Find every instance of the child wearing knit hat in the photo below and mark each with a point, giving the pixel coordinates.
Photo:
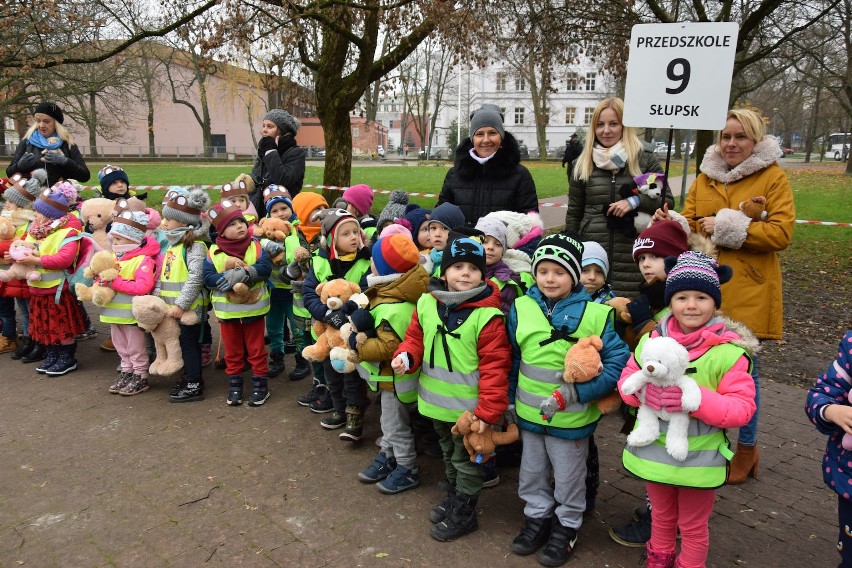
(595, 271)
(344, 255)
(136, 258)
(444, 218)
(358, 199)
(181, 283)
(496, 269)
(542, 325)
(463, 366)
(237, 192)
(682, 492)
(418, 218)
(395, 208)
(396, 283)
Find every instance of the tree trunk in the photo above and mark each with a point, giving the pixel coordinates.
(338, 148)
(812, 130)
(205, 119)
(93, 125)
(703, 140)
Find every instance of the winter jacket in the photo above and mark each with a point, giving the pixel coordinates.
(585, 217)
(732, 404)
(832, 387)
(500, 184)
(565, 317)
(144, 277)
(750, 248)
(492, 347)
(75, 168)
(285, 168)
(339, 268)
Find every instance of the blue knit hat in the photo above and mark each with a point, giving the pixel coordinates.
(696, 271)
(110, 174)
(51, 204)
(416, 215)
(274, 194)
(448, 215)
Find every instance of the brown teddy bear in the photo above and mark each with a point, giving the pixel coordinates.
(275, 230)
(103, 269)
(97, 212)
(754, 208)
(481, 446)
(333, 294)
(582, 364)
(241, 292)
(620, 305)
(151, 313)
(17, 250)
(7, 229)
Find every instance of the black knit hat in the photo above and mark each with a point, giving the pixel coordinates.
(464, 245)
(50, 109)
(564, 249)
(696, 271)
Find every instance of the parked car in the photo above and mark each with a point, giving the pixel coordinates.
(321, 153)
(660, 149)
(380, 150)
(525, 152)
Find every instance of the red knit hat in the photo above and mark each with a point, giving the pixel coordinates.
(223, 213)
(395, 254)
(664, 238)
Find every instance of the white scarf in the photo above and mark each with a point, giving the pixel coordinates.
(478, 159)
(610, 159)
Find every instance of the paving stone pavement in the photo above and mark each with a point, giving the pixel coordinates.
(93, 479)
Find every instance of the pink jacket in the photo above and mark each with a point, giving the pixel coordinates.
(144, 278)
(732, 404)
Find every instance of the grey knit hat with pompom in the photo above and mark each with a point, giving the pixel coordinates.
(395, 208)
(24, 192)
(187, 209)
(283, 120)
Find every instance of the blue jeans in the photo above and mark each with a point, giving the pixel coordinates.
(748, 433)
(23, 305)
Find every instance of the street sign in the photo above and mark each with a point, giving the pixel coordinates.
(679, 75)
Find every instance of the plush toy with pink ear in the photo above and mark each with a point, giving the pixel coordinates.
(18, 250)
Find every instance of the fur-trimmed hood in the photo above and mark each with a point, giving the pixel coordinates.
(505, 160)
(745, 337)
(765, 153)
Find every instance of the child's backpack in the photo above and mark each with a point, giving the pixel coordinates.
(74, 274)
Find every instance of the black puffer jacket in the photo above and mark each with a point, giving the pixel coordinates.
(76, 167)
(585, 217)
(501, 184)
(285, 167)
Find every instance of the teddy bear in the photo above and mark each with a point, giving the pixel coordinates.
(481, 446)
(582, 364)
(333, 294)
(17, 250)
(619, 303)
(663, 364)
(652, 185)
(7, 229)
(97, 213)
(241, 293)
(151, 313)
(275, 230)
(103, 269)
(354, 333)
(754, 208)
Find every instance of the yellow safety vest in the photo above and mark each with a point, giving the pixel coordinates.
(174, 275)
(398, 315)
(48, 246)
(120, 310)
(226, 310)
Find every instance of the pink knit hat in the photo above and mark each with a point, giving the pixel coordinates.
(395, 229)
(361, 196)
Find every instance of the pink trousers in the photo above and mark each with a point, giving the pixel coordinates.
(129, 342)
(688, 510)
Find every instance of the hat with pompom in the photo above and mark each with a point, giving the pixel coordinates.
(395, 208)
(395, 254)
(696, 271)
(51, 204)
(110, 174)
(187, 208)
(21, 189)
(130, 225)
(275, 194)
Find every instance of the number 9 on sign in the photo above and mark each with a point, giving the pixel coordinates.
(678, 70)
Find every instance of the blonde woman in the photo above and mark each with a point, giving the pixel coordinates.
(48, 144)
(610, 158)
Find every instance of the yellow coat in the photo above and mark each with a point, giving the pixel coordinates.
(753, 295)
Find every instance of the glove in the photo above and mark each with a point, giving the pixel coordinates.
(666, 398)
(336, 319)
(640, 311)
(273, 248)
(27, 163)
(266, 144)
(251, 275)
(55, 158)
(293, 270)
(656, 294)
(230, 278)
(510, 416)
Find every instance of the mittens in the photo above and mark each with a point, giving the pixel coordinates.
(266, 144)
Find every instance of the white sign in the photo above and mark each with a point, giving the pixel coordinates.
(679, 75)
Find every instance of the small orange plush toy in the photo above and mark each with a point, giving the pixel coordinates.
(481, 446)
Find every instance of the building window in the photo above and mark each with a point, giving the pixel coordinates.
(591, 77)
(587, 115)
(571, 84)
(570, 115)
(520, 84)
(501, 81)
(519, 115)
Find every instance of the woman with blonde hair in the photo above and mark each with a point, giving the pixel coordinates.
(48, 144)
(611, 158)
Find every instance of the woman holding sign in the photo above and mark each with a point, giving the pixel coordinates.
(741, 172)
(596, 210)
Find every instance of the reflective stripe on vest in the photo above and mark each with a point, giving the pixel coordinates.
(543, 362)
(275, 277)
(706, 463)
(224, 309)
(449, 377)
(120, 309)
(291, 243)
(398, 316)
(174, 275)
(48, 246)
(323, 273)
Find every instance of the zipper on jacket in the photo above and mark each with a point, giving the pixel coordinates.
(611, 251)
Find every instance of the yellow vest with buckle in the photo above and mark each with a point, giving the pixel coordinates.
(120, 309)
(226, 310)
(398, 316)
(543, 362)
(48, 246)
(174, 275)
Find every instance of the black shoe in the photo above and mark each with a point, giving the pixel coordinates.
(276, 365)
(302, 370)
(333, 421)
(314, 395)
(534, 533)
(323, 404)
(259, 391)
(354, 424)
(219, 363)
(439, 512)
(459, 521)
(289, 346)
(51, 356)
(178, 386)
(189, 391)
(25, 344)
(635, 534)
(34, 354)
(235, 391)
(559, 546)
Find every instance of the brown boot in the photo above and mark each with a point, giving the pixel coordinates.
(744, 464)
(106, 345)
(7, 344)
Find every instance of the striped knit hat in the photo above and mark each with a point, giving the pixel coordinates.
(395, 254)
(696, 271)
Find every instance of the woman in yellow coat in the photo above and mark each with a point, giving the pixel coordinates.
(743, 165)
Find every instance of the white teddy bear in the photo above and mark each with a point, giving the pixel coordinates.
(664, 362)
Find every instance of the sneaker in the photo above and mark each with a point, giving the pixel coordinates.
(459, 520)
(489, 473)
(533, 535)
(206, 355)
(559, 546)
(323, 404)
(401, 479)
(333, 421)
(313, 396)
(107, 345)
(137, 385)
(635, 534)
(354, 424)
(381, 467)
(88, 334)
(120, 382)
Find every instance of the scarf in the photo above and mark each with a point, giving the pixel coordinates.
(175, 236)
(234, 248)
(38, 140)
(610, 159)
(39, 231)
(310, 231)
(476, 157)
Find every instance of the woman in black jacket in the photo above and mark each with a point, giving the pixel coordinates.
(279, 159)
(47, 144)
(488, 175)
